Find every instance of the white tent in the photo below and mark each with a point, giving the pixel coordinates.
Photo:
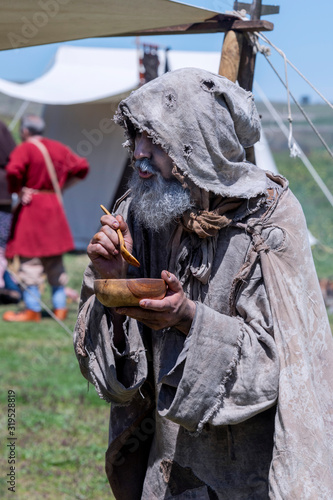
(79, 75)
(84, 74)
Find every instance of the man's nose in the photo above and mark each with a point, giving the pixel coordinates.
(142, 147)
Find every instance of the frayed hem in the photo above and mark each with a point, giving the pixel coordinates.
(92, 359)
(220, 398)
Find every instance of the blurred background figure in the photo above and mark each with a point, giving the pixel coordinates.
(39, 169)
(9, 290)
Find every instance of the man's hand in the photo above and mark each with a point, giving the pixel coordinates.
(103, 249)
(26, 195)
(174, 310)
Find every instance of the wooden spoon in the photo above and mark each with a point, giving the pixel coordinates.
(123, 250)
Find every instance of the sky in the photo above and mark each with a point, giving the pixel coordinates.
(301, 30)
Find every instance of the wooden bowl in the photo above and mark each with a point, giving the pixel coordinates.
(128, 292)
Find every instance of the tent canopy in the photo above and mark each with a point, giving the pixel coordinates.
(25, 23)
(78, 75)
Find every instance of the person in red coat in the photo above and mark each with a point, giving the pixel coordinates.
(40, 232)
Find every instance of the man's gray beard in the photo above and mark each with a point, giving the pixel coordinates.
(157, 202)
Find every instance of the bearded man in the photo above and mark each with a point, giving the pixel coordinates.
(221, 389)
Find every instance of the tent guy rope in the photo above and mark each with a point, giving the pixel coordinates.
(302, 155)
(291, 142)
(263, 37)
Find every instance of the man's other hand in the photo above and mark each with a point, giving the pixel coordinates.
(174, 310)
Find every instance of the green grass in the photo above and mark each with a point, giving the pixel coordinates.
(317, 209)
(61, 427)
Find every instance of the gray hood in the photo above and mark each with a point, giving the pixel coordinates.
(204, 122)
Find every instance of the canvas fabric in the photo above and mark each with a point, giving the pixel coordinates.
(260, 338)
(204, 122)
(242, 407)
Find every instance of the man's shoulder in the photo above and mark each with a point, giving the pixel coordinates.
(53, 144)
(50, 144)
(20, 149)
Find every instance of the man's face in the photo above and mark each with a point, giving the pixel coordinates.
(158, 158)
(158, 198)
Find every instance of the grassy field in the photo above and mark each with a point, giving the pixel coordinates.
(61, 426)
(317, 209)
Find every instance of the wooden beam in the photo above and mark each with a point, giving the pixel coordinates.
(217, 24)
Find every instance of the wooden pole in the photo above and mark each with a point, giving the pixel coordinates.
(238, 56)
(232, 63)
(231, 55)
(248, 56)
(247, 65)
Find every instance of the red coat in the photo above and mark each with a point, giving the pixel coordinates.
(41, 229)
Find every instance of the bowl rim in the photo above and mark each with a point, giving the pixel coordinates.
(129, 279)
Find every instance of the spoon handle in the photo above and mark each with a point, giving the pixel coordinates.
(123, 250)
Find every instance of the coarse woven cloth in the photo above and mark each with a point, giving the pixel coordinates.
(203, 121)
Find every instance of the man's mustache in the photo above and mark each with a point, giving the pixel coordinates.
(145, 166)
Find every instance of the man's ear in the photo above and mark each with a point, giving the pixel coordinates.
(24, 134)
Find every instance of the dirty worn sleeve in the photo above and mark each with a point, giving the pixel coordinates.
(228, 370)
(117, 376)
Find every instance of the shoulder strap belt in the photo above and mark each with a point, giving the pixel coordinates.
(49, 166)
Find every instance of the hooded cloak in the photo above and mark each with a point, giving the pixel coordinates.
(244, 404)
(203, 126)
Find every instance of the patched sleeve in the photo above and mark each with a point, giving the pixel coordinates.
(229, 368)
(117, 376)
